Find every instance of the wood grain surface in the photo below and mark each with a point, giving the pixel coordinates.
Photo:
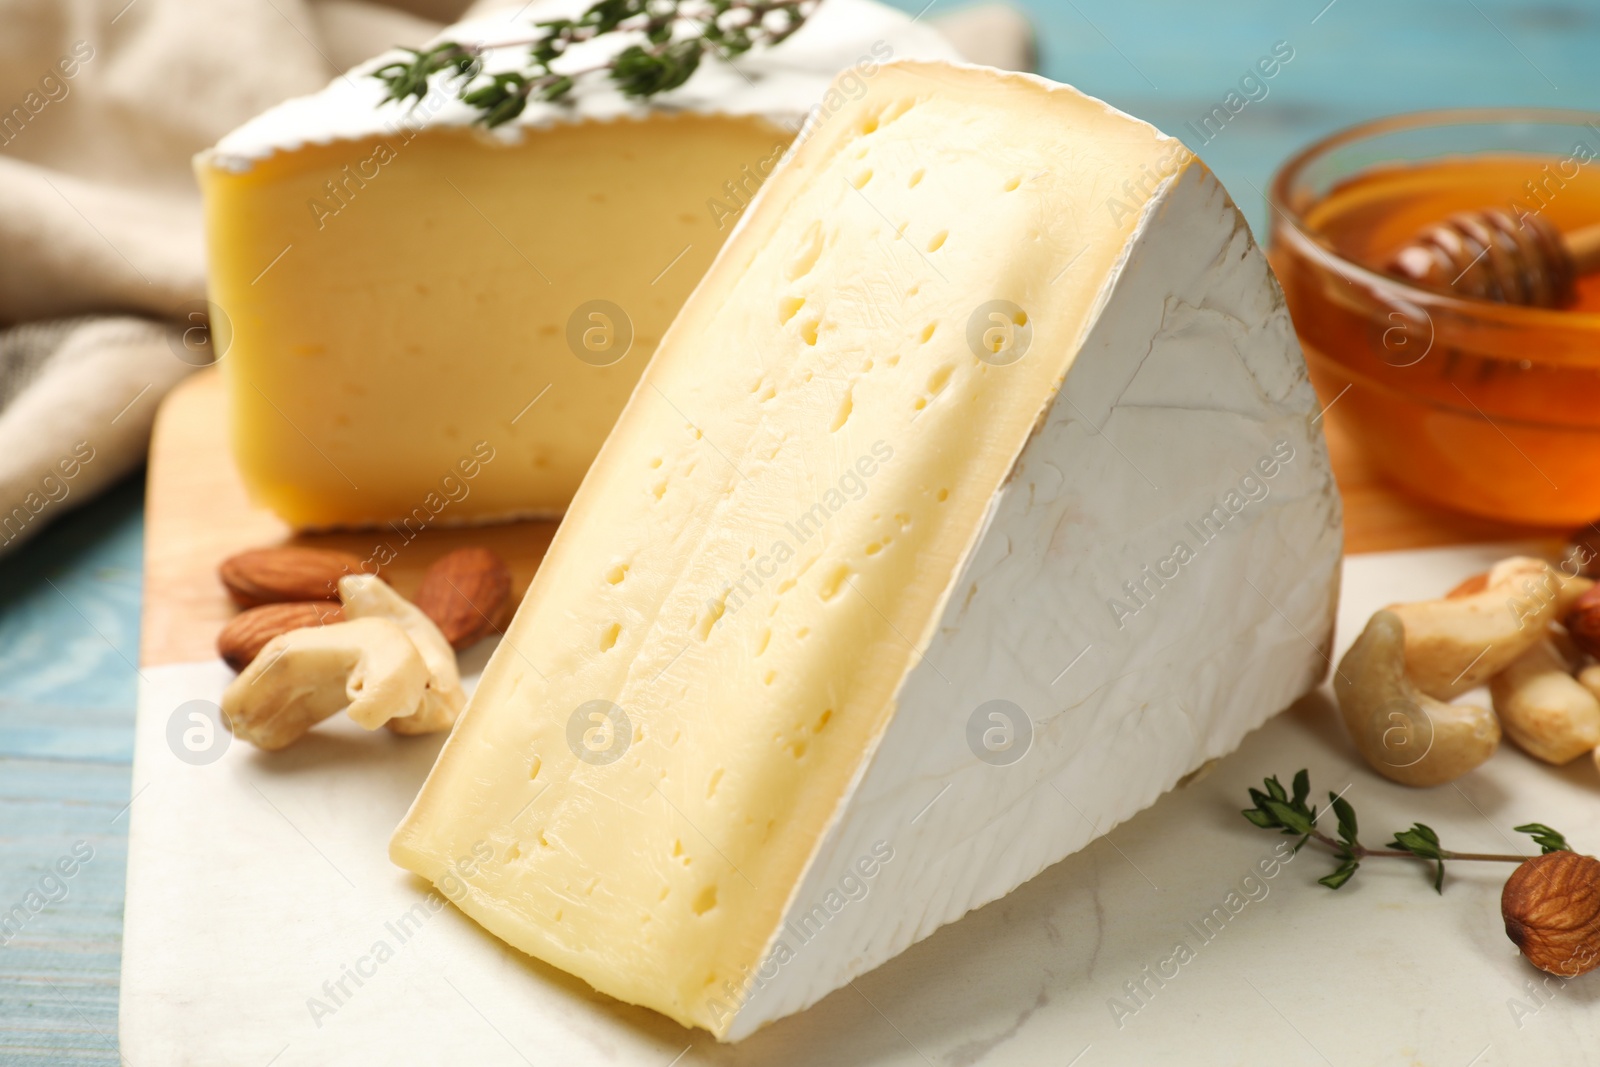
(197, 514)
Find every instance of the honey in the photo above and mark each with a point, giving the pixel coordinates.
(1368, 218)
(1486, 408)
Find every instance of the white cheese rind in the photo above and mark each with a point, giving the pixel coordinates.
(782, 84)
(1188, 376)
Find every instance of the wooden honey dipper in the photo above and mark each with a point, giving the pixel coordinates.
(1489, 255)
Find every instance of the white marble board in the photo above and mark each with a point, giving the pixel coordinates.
(257, 881)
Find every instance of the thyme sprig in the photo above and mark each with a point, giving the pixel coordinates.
(1278, 809)
(675, 36)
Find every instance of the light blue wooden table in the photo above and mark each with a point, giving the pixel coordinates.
(69, 603)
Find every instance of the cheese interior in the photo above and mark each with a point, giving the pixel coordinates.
(759, 553)
(388, 304)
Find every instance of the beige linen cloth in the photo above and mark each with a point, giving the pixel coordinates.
(102, 278)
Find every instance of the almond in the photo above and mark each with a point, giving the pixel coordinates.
(466, 594)
(1551, 907)
(286, 573)
(248, 632)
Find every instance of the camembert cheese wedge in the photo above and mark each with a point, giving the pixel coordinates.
(974, 498)
(422, 323)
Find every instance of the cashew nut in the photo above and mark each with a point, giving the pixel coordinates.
(1536, 579)
(1458, 643)
(1406, 735)
(366, 596)
(1543, 708)
(368, 667)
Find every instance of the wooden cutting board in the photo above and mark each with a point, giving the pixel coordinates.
(197, 514)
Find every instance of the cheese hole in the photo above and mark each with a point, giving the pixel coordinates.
(608, 636)
(833, 582)
(869, 124)
(928, 330)
(615, 575)
(862, 177)
(937, 241)
(544, 842)
(558, 915)
(1011, 184)
(769, 677)
(654, 463)
(764, 640)
(788, 306)
(841, 417)
(915, 179)
(808, 331)
(806, 252)
(920, 403)
(659, 490)
(705, 900)
(514, 851)
(768, 393)
(822, 721)
(803, 633)
(940, 378)
(533, 767)
(785, 585)
(665, 890)
(874, 548)
(903, 518)
(711, 786)
(798, 750)
(709, 619)
(944, 494)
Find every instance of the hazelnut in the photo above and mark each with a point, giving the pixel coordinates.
(1583, 552)
(1551, 907)
(1583, 622)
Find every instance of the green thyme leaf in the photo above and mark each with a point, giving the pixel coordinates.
(1547, 839)
(1340, 876)
(1289, 817)
(1260, 818)
(675, 36)
(1421, 841)
(1347, 818)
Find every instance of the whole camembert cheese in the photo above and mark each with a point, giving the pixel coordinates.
(974, 498)
(426, 323)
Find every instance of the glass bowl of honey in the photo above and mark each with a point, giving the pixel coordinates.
(1484, 407)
